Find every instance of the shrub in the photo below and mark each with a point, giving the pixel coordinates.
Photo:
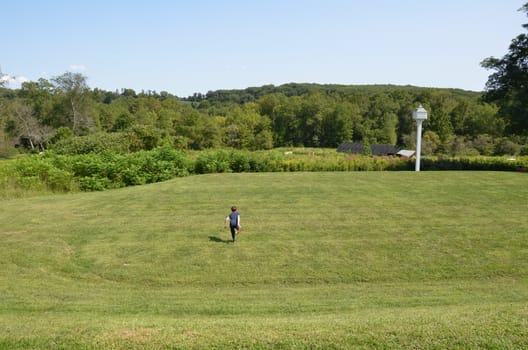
(96, 172)
(507, 147)
(94, 183)
(473, 163)
(239, 161)
(212, 162)
(176, 160)
(89, 172)
(114, 170)
(94, 143)
(484, 144)
(38, 173)
(144, 138)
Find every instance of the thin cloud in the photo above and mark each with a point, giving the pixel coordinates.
(11, 80)
(77, 68)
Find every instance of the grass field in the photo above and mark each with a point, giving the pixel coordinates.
(358, 260)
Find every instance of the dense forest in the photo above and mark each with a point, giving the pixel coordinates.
(64, 114)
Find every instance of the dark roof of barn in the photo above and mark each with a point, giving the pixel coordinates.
(376, 150)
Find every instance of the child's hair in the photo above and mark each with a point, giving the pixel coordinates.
(233, 208)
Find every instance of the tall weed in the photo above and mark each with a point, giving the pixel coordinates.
(100, 171)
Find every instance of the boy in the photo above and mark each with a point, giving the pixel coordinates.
(234, 222)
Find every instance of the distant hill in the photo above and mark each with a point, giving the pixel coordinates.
(251, 94)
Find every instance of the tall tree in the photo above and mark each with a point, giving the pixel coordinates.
(39, 96)
(508, 86)
(441, 105)
(74, 88)
(338, 123)
(313, 108)
(28, 127)
(387, 134)
(246, 128)
(381, 120)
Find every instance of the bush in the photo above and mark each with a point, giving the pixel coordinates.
(144, 138)
(507, 147)
(94, 183)
(484, 144)
(94, 143)
(474, 163)
(114, 170)
(239, 162)
(212, 162)
(90, 172)
(96, 172)
(38, 173)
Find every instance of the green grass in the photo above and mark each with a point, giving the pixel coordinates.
(378, 260)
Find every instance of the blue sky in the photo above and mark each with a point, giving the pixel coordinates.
(191, 46)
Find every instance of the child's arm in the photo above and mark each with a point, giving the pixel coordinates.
(226, 221)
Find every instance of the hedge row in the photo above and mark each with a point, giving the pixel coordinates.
(91, 172)
(475, 163)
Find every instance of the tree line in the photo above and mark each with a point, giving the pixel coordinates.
(63, 110)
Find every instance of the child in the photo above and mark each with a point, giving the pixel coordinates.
(234, 222)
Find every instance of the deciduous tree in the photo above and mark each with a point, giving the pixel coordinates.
(508, 86)
(28, 127)
(75, 90)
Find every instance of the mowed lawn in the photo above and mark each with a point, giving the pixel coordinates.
(358, 260)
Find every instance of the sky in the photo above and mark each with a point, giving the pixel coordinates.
(189, 46)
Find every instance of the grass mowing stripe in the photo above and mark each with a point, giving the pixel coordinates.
(325, 260)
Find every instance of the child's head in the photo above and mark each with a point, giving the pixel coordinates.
(233, 208)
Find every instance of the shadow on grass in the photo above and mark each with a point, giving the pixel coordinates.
(219, 240)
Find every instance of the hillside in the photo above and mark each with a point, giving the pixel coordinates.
(325, 260)
(298, 89)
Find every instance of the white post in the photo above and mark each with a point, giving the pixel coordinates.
(418, 143)
(419, 114)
